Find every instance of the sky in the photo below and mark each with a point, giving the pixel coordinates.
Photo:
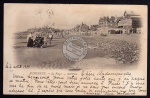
(20, 17)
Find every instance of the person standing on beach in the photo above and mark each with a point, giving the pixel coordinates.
(30, 40)
(29, 36)
(50, 38)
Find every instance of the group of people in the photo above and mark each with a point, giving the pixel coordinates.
(38, 40)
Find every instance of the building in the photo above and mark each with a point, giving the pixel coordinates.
(126, 24)
(105, 27)
(130, 23)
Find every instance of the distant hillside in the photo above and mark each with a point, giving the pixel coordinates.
(56, 32)
(44, 29)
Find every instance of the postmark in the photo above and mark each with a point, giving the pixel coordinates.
(75, 48)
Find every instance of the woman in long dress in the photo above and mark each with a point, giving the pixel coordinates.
(30, 42)
(28, 36)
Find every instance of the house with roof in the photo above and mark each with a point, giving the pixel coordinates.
(126, 24)
(131, 22)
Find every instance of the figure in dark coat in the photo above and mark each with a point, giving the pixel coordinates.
(30, 42)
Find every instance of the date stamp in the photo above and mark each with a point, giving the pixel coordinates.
(75, 48)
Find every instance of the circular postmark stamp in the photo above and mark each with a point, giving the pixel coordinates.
(75, 48)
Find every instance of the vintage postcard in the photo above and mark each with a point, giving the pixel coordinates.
(75, 49)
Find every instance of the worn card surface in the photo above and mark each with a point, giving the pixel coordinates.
(75, 49)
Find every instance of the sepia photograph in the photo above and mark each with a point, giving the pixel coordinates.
(76, 38)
